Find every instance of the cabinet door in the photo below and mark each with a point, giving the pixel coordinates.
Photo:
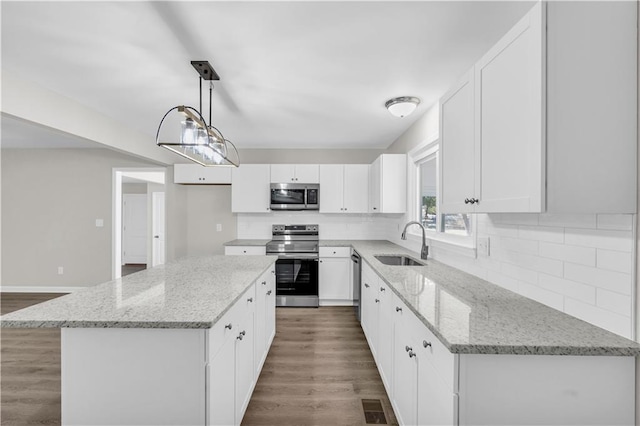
(369, 306)
(374, 186)
(393, 183)
(436, 403)
(195, 173)
(260, 325)
(457, 148)
(245, 373)
(307, 173)
(334, 275)
(509, 125)
(405, 376)
(385, 335)
(221, 384)
(250, 191)
(270, 311)
(331, 188)
(356, 188)
(283, 173)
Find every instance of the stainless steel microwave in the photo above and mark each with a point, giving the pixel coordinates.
(295, 196)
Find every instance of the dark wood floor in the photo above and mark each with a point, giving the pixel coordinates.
(317, 372)
(131, 268)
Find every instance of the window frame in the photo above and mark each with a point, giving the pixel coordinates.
(426, 151)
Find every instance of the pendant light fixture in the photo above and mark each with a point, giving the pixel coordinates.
(198, 141)
(402, 106)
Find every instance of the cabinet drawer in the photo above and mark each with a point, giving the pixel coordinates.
(225, 328)
(245, 250)
(335, 251)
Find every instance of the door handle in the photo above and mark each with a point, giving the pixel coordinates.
(156, 236)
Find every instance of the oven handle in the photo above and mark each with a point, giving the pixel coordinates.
(296, 255)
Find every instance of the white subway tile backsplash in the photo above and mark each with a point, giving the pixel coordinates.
(610, 280)
(504, 281)
(616, 323)
(519, 273)
(538, 264)
(615, 302)
(614, 260)
(549, 298)
(501, 230)
(622, 222)
(599, 238)
(575, 290)
(515, 218)
(515, 244)
(568, 220)
(574, 254)
(541, 233)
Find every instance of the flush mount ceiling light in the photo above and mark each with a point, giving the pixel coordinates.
(402, 106)
(198, 141)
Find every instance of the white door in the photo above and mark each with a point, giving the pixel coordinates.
(157, 228)
(134, 228)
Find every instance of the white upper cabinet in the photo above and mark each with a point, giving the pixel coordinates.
(250, 189)
(388, 183)
(344, 188)
(297, 173)
(197, 174)
(457, 147)
(555, 116)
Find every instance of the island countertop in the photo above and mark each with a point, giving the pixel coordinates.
(193, 292)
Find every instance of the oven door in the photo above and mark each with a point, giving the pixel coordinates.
(296, 281)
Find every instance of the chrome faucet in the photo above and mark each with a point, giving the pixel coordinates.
(425, 249)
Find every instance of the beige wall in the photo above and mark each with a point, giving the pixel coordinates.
(51, 199)
(134, 188)
(309, 156)
(209, 205)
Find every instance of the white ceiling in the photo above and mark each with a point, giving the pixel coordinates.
(293, 74)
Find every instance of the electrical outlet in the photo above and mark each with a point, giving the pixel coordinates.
(483, 246)
(60, 270)
(99, 223)
(219, 227)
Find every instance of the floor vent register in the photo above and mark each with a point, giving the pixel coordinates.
(373, 412)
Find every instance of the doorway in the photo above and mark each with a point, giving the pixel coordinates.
(138, 219)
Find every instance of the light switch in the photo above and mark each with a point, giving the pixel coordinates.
(219, 227)
(60, 270)
(483, 246)
(99, 223)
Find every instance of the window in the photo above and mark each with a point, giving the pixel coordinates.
(458, 226)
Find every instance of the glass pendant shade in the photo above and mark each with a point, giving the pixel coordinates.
(198, 142)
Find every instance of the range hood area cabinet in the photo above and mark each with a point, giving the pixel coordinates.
(387, 183)
(196, 174)
(344, 188)
(250, 189)
(547, 119)
(297, 173)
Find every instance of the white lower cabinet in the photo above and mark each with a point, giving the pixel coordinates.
(428, 385)
(245, 250)
(238, 346)
(335, 285)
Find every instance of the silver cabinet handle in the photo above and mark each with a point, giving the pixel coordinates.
(408, 348)
(382, 289)
(398, 309)
(377, 300)
(426, 344)
(269, 293)
(250, 299)
(264, 283)
(229, 326)
(411, 354)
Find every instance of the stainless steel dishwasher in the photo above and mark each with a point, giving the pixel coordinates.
(357, 272)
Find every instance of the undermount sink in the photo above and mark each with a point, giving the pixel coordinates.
(398, 260)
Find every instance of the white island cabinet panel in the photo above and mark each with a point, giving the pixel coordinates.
(121, 376)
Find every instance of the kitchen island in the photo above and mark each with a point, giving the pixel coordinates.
(181, 343)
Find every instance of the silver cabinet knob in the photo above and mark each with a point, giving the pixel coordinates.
(366, 285)
(382, 289)
(250, 299)
(377, 300)
(242, 333)
(229, 326)
(426, 344)
(408, 348)
(264, 283)
(269, 293)
(398, 309)
(411, 354)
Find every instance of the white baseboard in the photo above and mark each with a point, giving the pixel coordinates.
(37, 289)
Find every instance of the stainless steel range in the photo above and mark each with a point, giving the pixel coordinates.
(297, 264)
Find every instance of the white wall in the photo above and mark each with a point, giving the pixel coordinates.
(208, 206)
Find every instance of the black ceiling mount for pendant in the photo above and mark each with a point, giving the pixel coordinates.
(205, 70)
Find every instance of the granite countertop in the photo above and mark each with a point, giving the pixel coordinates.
(190, 293)
(472, 316)
(246, 243)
